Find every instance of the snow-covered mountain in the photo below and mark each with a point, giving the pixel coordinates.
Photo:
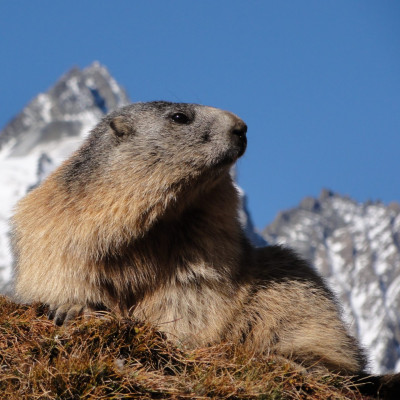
(47, 131)
(356, 247)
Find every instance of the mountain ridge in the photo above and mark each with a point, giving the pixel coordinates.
(356, 247)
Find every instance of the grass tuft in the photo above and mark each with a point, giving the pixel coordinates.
(111, 358)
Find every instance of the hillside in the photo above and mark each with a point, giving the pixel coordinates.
(112, 358)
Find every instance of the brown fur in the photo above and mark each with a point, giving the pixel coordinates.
(143, 218)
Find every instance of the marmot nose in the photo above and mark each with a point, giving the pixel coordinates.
(239, 129)
(238, 132)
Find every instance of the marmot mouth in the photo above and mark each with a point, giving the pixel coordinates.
(232, 155)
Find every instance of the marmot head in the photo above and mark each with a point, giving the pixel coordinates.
(168, 141)
(190, 135)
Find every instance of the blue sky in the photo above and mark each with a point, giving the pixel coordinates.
(318, 82)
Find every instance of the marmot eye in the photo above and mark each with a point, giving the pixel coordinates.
(180, 118)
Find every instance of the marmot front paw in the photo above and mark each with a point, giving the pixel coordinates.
(66, 312)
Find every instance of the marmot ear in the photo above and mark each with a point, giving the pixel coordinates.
(121, 126)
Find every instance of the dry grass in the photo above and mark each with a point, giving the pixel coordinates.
(109, 358)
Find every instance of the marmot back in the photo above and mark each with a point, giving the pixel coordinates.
(142, 219)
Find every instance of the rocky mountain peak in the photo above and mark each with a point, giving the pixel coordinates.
(76, 102)
(356, 247)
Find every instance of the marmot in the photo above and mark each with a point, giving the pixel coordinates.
(142, 220)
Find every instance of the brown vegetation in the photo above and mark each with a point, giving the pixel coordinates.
(110, 358)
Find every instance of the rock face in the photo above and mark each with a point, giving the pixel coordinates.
(356, 247)
(74, 103)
